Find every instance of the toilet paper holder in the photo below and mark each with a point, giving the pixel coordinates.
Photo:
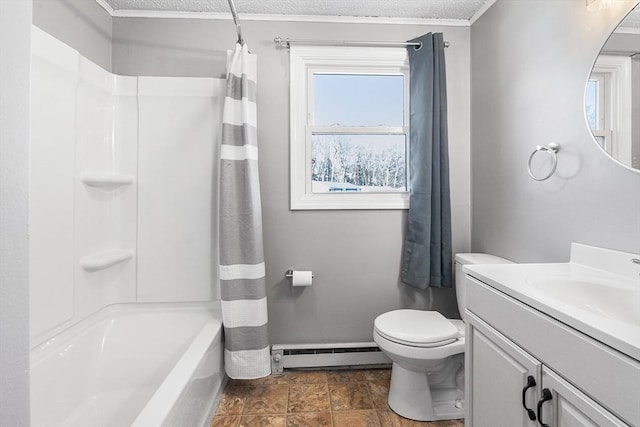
(289, 274)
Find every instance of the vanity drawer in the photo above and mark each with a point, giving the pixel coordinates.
(606, 375)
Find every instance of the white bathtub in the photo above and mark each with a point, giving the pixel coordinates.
(143, 365)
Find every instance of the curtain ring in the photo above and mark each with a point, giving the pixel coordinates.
(551, 148)
(418, 47)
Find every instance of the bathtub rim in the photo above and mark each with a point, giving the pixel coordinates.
(155, 411)
(52, 340)
(210, 329)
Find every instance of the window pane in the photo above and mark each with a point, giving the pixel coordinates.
(591, 104)
(358, 100)
(358, 163)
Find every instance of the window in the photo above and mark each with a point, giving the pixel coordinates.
(349, 128)
(598, 108)
(608, 105)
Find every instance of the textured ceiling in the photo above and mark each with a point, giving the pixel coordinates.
(425, 9)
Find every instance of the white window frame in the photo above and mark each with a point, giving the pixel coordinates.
(304, 62)
(603, 110)
(614, 74)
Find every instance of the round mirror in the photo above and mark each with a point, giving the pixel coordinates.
(612, 98)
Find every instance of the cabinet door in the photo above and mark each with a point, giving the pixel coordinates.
(569, 407)
(497, 373)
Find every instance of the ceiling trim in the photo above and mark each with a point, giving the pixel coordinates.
(285, 18)
(122, 13)
(481, 11)
(106, 6)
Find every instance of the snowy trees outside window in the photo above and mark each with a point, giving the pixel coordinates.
(372, 163)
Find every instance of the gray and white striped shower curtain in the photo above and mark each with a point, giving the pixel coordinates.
(242, 270)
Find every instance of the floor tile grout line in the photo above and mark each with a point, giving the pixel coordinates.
(373, 406)
(288, 395)
(330, 405)
(375, 411)
(244, 402)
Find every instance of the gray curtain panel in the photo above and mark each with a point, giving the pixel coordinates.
(427, 258)
(242, 269)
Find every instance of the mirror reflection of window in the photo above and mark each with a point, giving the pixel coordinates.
(598, 107)
(591, 103)
(612, 94)
(608, 105)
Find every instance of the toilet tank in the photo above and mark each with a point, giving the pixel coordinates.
(468, 259)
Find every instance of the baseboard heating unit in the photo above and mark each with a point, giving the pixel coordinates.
(301, 356)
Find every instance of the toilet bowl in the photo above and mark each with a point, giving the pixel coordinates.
(427, 351)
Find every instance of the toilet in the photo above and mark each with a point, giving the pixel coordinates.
(427, 351)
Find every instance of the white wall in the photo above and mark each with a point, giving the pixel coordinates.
(180, 124)
(355, 255)
(15, 27)
(90, 127)
(530, 62)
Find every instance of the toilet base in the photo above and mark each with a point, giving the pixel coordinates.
(411, 396)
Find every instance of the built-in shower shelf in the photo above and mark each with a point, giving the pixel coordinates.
(106, 182)
(105, 259)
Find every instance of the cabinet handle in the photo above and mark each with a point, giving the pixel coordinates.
(531, 382)
(546, 395)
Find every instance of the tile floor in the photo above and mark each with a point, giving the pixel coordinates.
(339, 398)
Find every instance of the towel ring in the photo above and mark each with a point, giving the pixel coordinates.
(551, 148)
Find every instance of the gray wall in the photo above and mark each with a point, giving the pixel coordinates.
(15, 37)
(355, 254)
(530, 60)
(82, 24)
(171, 47)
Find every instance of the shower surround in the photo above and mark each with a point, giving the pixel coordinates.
(123, 194)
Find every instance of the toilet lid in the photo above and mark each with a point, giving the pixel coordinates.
(416, 327)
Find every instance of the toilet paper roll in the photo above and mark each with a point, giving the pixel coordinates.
(302, 278)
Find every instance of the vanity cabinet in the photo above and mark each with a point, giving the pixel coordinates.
(497, 370)
(569, 407)
(524, 368)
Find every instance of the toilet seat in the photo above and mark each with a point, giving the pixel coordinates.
(416, 328)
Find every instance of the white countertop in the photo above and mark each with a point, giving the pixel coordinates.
(515, 280)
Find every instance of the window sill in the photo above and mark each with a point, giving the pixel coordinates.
(359, 201)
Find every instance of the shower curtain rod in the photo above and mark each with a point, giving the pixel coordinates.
(236, 21)
(283, 42)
